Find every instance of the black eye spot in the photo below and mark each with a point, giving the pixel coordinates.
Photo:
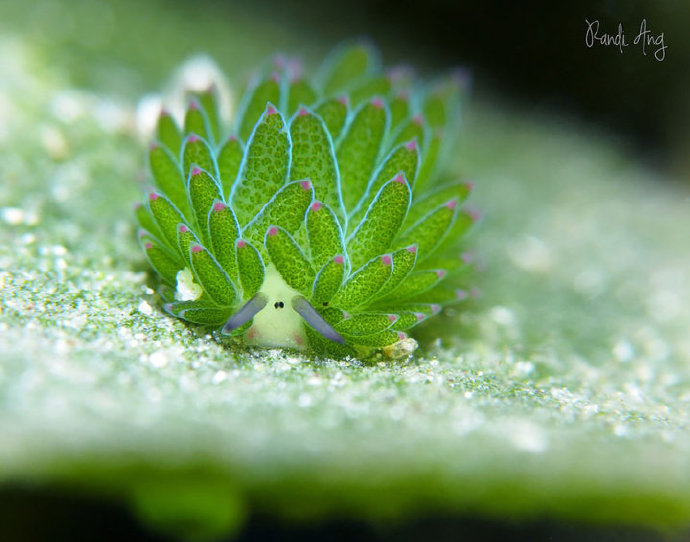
(279, 304)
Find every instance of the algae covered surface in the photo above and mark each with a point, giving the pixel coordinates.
(562, 391)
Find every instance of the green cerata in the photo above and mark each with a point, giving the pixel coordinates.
(319, 218)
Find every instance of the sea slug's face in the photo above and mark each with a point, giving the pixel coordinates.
(277, 324)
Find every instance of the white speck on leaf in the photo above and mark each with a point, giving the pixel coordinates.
(145, 308)
(187, 289)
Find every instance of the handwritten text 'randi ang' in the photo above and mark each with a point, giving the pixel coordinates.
(644, 39)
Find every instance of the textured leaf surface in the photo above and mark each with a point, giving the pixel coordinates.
(300, 93)
(165, 264)
(223, 232)
(229, 160)
(265, 92)
(414, 284)
(328, 280)
(168, 176)
(379, 85)
(404, 260)
(146, 221)
(168, 133)
(402, 159)
(211, 276)
(289, 260)
(286, 210)
(400, 108)
(206, 315)
(208, 99)
(360, 147)
(433, 199)
(381, 223)
(430, 161)
(324, 234)
(185, 239)
(265, 166)
(377, 340)
(195, 121)
(250, 267)
(410, 129)
(430, 230)
(363, 284)
(313, 158)
(561, 394)
(333, 111)
(346, 65)
(166, 216)
(197, 151)
(365, 323)
(203, 191)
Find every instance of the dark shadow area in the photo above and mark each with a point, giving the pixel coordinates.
(39, 514)
(536, 54)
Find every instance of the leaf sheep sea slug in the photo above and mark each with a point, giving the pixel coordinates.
(318, 220)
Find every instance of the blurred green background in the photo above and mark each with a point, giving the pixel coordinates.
(555, 405)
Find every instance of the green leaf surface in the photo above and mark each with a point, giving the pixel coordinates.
(409, 319)
(404, 260)
(430, 162)
(313, 158)
(560, 393)
(223, 232)
(166, 172)
(196, 150)
(379, 85)
(203, 192)
(359, 149)
(333, 112)
(328, 280)
(442, 102)
(432, 199)
(324, 234)
(176, 307)
(300, 92)
(289, 260)
(166, 216)
(362, 285)
(185, 239)
(377, 340)
(264, 168)
(250, 268)
(164, 262)
(229, 159)
(365, 323)
(412, 128)
(403, 158)
(168, 133)
(413, 285)
(429, 231)
(195, 121)
(324, 347)
(211, 276)
(146, 220)
(400, 108)
(346, 65)
(286, 209)
(209, 102)
(256, 101)
(206, 315)
(381, 224)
